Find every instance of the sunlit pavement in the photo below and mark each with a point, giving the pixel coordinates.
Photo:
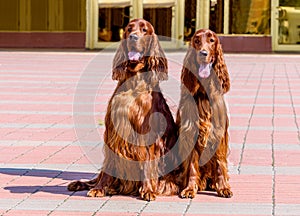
(41, 149)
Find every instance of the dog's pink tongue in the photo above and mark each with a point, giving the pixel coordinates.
(134, 56)
(204, 70)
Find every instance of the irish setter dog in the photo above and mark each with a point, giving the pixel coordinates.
(139, 127)
(202, 118)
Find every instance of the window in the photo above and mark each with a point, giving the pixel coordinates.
(161, 19)
(111, 23)
(250, 17)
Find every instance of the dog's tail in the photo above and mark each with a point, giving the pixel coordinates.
(82, 185)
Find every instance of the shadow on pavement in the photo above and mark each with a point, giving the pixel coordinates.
(45, 187)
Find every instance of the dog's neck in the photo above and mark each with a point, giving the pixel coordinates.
(209, 87)
(141, 80)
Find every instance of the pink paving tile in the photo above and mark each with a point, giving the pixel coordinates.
(84, 119)
(287, 158)
(55, 107)
(266, 85)
(261, 122)
(284, 100)
(245, 188)
(101, 108)
(286, 137)
(264, 100)
(67, 155)
(44, 135)
(11, 118)
(83, 160)
(263, 110)
(283, 92)
(287, 189)
(238, 100)
(256, 157)
(36, 98)
(104, 95)
(284, 121)
(283, 110)
(67, 135)
(12, 152)
(237, 136)
(6, 177)
(234, 156)
(18, 135)
(297, 110)
(259, 136)
(240, 109)
(239, 121)
(239, 88)
(35, 134)
(4, 132)
(68, 121)
(265, 92)
(37, 154)
(295, 92)
(44, 119)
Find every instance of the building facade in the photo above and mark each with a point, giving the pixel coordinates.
(243, 25)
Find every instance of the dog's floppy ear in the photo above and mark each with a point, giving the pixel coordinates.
(157, 61)
(189, 70)
(221, 69)
(120, 60)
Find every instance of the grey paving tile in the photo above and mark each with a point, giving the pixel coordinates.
(123, 206)
(230, 208)
(280, 170)
(6, 203)
(257, 170)
(166, 207)
(287, 209)
(38, 204)
(82, 205)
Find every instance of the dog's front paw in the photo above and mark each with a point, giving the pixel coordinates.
(226, 193)
(148, 196)
(188, 192)
(96, 193)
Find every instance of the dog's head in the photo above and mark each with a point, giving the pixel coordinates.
(204, 57)
(139, 50)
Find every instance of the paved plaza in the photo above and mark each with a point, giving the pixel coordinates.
(52, 107)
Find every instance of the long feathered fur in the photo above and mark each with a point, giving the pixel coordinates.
(202, 109)
(135, 138)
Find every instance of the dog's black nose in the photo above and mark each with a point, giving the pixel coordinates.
(133, 37)
(203, 53)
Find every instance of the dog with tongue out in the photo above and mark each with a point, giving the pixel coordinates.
(202, 110)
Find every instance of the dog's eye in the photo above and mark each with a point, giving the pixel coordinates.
(129, 30)
(197, 41)
(212, 40)
(144, 30)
